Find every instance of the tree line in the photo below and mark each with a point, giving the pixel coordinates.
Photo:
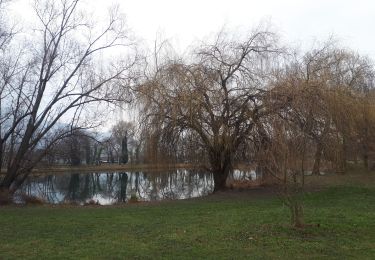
(252, 100)
(51, 77)
(237, 98)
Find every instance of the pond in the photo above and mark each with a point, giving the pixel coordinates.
(106, 188)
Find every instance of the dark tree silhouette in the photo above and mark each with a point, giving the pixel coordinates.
(124, 150)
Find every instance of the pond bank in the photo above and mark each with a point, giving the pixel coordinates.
(109, 168)
(120, 167)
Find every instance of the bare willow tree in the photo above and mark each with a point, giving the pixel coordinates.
(216, 95)
(347, 76)
(49, 84)
(322, 86)
(302, 93)
(365, 124)
(355, 100)
(316, 99)
(285, 158)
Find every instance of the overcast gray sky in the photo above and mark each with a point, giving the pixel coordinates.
(299, 22)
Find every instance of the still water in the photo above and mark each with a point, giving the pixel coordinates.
(117, 187)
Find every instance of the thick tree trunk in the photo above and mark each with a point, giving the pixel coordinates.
(220, 179)
(365, 161)
(343, 156)
(318, 156)
(221, 165)
(297, 219)
(12, 180)
(365, 156)
(5, 196)
(365, 139)
(7, 181)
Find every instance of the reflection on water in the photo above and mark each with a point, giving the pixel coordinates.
(111, 188)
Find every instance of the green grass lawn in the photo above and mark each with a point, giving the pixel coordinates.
(217, 227)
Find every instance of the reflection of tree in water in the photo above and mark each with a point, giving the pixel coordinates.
(86, 191)
(110, 181)
(135, 183)
(154, 187)
(41, 187)
(97, 188)
(73, 193)
(123, 184)
(49, 189)
(112, 187)
(180, 184)
(175, 187)
(79, 191)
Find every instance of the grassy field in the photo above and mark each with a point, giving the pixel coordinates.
(233, 225)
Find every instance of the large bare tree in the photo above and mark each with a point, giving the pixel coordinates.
(216, 94)
(49, 83)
